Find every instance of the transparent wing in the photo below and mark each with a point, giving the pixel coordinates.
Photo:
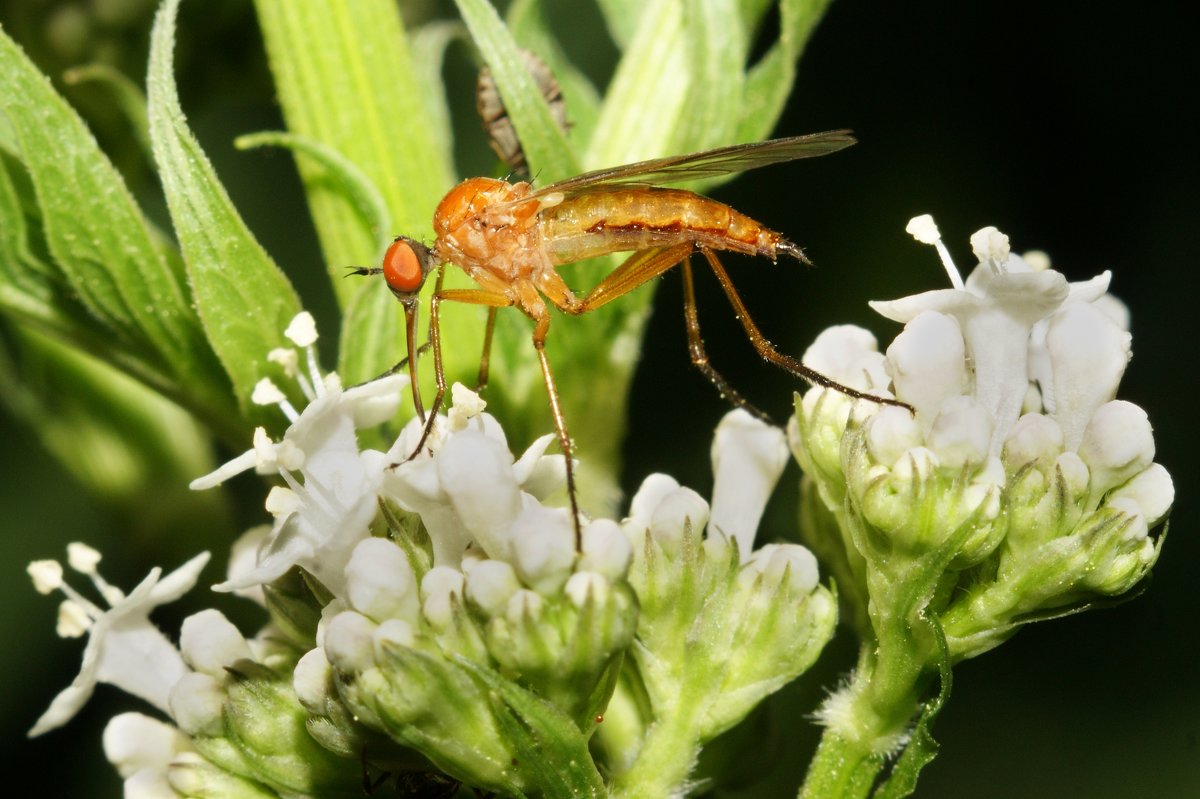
(707, 164)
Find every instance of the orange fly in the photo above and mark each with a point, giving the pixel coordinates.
(510, 238)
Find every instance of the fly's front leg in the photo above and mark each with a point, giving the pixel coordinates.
(481, 383)
(470, 297)
(541, 327)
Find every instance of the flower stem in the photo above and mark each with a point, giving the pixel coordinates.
(841, 769)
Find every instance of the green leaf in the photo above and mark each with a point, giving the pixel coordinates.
(129, 98)
(769, 82)
(132, 448)
(551, 751)
(102, 247)
(429, 43)
(716, 53)
(544, 142)
(645, 98)
(527, 21)
(622, 18)
(354, 185)
(245, 301)
(346, 79)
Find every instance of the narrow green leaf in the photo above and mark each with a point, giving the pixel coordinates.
(346, 78)
(429, 43)
(544, 142)
(99, 240)
(646, 96)
(622, 18)
(716, 52)
(355, 186)
(769, 81)
(129, 98)
(245, 301)
(527, 21)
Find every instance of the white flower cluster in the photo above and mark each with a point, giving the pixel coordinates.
(432, 569)
(1016, 454)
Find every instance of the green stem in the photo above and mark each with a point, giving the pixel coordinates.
(841, 769)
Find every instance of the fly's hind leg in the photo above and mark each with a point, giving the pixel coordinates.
(774, 356)
(698, 354)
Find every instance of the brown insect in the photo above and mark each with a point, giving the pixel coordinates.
(502, 136)
(510, 238)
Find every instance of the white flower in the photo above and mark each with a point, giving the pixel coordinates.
(124, 648)
(332, 487)
(142, 748)
(465, 484)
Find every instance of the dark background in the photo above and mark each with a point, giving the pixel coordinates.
(1062, 124)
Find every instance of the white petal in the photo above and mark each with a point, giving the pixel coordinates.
(476, 472)
(890, 432)
(650, 493)
(210, 642)
(133, 741)
(1117, 444)
(1034, 437)
(348, 642)
(244, 462)
(748, 457)
(543, 547)
(312, 680)
(927, 363)
(1088, 354)
(380, 582)
(1153, 491)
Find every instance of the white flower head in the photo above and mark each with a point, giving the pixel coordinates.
(465, 483)
(333, 486)
(124, 648)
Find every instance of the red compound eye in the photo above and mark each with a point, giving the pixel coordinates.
(402, 268)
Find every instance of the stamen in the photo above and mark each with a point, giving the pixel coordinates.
(73, 620)
(287, 358)
(46, 575)
(923, 229)
(267, 393)
(303, 330)
(84, 559)
(991, 247)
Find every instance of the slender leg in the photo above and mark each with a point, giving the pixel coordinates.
(774, 356)
(696, 348)
(481, 383)
(541, 327)
(470, 297)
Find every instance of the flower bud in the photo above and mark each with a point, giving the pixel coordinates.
(312, 680)
(380, 582)
(441, 591)
(606, 550)
(890, 433)
(197, 704)
(1117, 444)
(1034, 437)
(1152, 490)
(543, 547)
(210, 642)
(680, 509)
(348, 642)
(490, 583)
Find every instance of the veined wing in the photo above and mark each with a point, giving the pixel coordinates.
(707, 164)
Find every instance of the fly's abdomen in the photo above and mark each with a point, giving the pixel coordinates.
(621, 220)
